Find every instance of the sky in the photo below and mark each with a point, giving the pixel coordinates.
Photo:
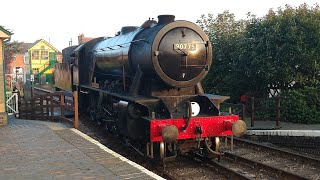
(59, 21)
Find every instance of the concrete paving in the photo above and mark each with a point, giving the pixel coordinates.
(46, 150)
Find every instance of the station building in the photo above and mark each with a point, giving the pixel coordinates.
(36, 59)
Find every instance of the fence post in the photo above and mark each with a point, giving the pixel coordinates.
(243, 112)
(278, 111)
(41, 106)
(62, 105)
(51, 107)
(47, 106)
(76, 110)
(252, 112)
(19, 105)
(32, 108)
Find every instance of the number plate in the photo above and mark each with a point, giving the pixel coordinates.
(185, 46)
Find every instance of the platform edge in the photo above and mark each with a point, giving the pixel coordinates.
(101, 146)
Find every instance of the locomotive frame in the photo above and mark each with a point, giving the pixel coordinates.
(144, 84)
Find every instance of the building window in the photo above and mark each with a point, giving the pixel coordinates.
(18, 70)
(44, 55)
(35, 70)
(35, 54)
(26, 60)
(42, 47)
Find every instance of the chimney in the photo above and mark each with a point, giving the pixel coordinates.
(165, 19)
(80, 39)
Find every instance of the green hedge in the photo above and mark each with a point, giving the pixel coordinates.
(302, 106)
(265, 109)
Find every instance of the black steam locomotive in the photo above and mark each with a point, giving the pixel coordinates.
(144, 84)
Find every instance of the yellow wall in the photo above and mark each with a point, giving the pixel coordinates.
(41, 62)
(4, 35)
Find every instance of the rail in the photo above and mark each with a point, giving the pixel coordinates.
(258, 166)
(238, 109)
(260, 146)
(282, 163)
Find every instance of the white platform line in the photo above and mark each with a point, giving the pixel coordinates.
(117, 155)
(309, 133)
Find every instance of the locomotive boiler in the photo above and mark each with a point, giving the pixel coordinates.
(145, 85)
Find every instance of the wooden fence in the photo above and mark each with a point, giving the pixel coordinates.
(49, 106)
(257, 109)
(270, 108)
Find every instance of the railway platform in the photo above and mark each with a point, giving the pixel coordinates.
(31, 149)
(285, 129)
(301, 137)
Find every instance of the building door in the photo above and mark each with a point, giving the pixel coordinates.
(52, 56)
(12, 103)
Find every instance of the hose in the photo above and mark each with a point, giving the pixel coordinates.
(189, 113)
(208, 147)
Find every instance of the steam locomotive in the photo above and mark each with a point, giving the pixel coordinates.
(145, 85)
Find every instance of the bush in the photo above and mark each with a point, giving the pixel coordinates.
(302, 106)
(265, 109)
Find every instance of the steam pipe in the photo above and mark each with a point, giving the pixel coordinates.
(208, 147)
(189, 113)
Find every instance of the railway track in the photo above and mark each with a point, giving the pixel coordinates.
(184, 167)
(259, 161)
(249, 160)
(189, 167)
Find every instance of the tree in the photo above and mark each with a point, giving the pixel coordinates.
(10, 49)
(260, 56)
(282, 49)
(225, 34)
